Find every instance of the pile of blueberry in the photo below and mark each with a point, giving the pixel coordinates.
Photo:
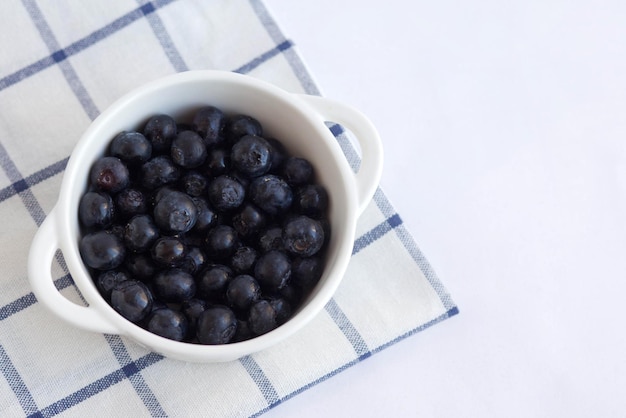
(204, 232)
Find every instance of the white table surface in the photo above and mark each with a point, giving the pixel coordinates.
(504, 126)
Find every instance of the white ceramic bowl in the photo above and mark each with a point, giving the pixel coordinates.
(296, 120)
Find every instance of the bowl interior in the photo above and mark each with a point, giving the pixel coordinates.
(283, 117)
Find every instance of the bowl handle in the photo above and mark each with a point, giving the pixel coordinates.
(370, 171)
(40, 257)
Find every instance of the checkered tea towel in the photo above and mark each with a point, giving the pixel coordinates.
(61, 64)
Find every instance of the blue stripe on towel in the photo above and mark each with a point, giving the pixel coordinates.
(27, 196)
(22, 184)
(132, 372)
(82, 44)
(376, 233)
(348, 329)
(168, 46)
(291, 56)
(59, 57)
(98, 386)
(12, 376)
(251, 65)
(258, 376)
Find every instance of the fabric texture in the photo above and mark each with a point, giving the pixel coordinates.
(62, 64)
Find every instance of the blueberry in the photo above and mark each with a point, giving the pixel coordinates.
(271, 239)
(160, 130)
(109, 174)
(212, 281)
(96, 209)
(243, 259)
(132, 299)
(107, 280)
(175, 213)
(194, 184)
(243, 331)
(279, 154)
(174, 285)
(169, 251)
(168, 323)
(273, 270)
(158, 172)
(140, 233)
(208, 122)
(192, 309)
(306, 272)
(240, 125)
(303, 236)
(160, 193)
(292, 294)
(242, 291)
(102, 250)
(130, 202)
(217, 162)
(271, 193)
(188, 150)
(206, 217)
(297, 171)
(282, 308)
(251, 155)
(311, 200)
(240, 177)
(226, 193)
(131, 147)
(216, 325)
(261, 317)
(194, 261)
(140, 266)
(157, 304)
(249, 221)
(221, 242)
(117, 230)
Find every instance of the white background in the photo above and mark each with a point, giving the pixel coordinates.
(504, 126)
